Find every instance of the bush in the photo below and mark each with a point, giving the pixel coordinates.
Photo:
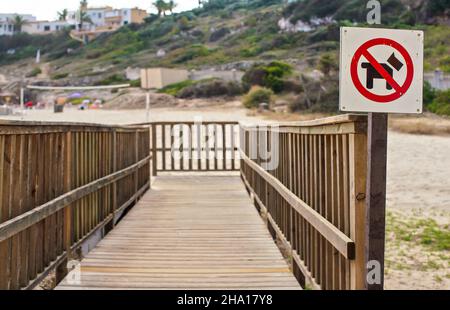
(256, 96)
(112, 80)
(59, 76)
(219, 34)
(429, 94)
(135, 83)
(441, 103)
(211, 88)
(192, 52)
(269, 76)
(173, 89)
(35, 72)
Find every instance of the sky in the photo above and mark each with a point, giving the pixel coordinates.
(47, 9)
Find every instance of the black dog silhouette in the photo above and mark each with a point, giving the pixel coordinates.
(373, 74)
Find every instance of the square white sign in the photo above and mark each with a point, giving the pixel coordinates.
(381, 70)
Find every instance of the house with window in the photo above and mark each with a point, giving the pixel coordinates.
(107, 18)
(44, 26)
(7, 22)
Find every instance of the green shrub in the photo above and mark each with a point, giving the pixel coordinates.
(441, 103)
(269, 76)
(192, 52)
(173, 89)
(35, 72)
(112, 80)
(211, 88)
(429, 94)
(59, 76)
(135, 83)
(258, 95)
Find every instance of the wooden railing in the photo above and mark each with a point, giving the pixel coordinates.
(60, 184)
(191, 146)
(314, 199)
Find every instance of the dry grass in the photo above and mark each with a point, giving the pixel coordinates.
(427, 124)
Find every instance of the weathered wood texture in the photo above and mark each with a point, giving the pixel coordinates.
(376, 193)
(190, 146)
(58, 184)
(314, 198)
(187, 232)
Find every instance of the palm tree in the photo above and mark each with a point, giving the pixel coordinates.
(161, 6)
(171, 5)
(62, 16)
(84, 18)
(18, 23)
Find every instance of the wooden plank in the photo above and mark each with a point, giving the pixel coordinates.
(358, 174)
(179, 236)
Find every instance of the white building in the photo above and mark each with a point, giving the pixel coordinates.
(43, 26)
(104, 18)
(7, 22)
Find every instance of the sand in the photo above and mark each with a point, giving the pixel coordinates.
(418, 185)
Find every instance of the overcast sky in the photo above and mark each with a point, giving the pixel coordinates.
(46, 9)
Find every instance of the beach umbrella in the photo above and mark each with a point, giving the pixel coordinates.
(75, 95)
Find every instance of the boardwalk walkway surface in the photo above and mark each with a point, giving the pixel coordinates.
(187, 232)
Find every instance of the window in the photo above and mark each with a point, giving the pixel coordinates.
(46, 28)
(99, 15)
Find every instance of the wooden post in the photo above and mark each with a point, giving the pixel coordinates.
(114, 150)
(136, 160)
(376, 199)
(68, 188)
(154, 151)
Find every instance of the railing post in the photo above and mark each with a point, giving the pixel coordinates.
(62, 269)
(67, 188)
(154, 152)
(358, 174)
(136, 158)
(114, 165)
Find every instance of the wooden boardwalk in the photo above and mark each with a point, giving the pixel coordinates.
(188, 232)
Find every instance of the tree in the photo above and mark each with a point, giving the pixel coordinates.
(18, 23)
(84, 18)
(171, 5)
(62, 16)
(161, 6)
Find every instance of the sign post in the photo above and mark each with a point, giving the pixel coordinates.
(145, 84)
(381, 72)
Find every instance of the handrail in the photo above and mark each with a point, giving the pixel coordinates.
(25, 220)
(60, 183)
(314, 198)
(338, 239)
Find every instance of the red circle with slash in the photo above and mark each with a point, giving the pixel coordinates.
(400, 90)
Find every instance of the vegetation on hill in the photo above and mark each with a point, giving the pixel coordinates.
(240, 34)
(23, 45)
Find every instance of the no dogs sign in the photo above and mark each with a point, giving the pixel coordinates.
(381, 70)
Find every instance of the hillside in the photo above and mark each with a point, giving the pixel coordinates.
(231, 34)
